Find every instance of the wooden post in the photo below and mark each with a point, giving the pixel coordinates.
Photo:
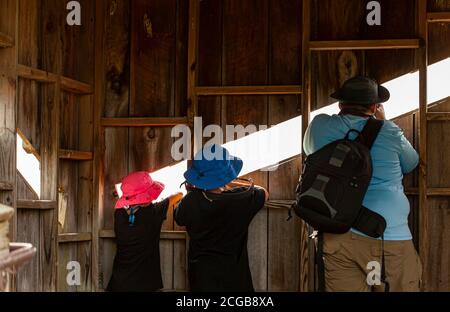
(49, 184)
(8, 86)
(99, 137)
(306, 248)
(422, 59)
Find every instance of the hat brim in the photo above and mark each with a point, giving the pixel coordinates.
(383, 96)
(211, 181)
(143, 198)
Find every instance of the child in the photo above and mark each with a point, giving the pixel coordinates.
(137, 225)
(217, 219)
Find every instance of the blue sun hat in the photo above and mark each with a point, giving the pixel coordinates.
(213, 167)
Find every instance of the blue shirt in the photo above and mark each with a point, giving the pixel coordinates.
(392, 157)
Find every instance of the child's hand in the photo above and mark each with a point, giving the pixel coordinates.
(175, 199)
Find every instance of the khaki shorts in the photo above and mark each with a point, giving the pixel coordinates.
(349, 260)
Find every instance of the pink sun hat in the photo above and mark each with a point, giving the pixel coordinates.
(139, 188)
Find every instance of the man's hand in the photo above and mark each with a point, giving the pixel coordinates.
(380, 114)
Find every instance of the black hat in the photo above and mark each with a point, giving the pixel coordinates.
(361, 90)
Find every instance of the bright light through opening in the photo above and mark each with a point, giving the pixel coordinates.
(29, 167)
(265, 149)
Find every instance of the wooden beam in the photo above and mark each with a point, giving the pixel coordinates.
(76, 87)
(166, 235)
(36, 204)
(422, 61)
(6, 41)
(35, 74)
(75, 155)
(438, 17)
(438, 116)
(6, 186)
(364, 45)
(65, 238)
(27, 146)
(248, 90)
(144, 122)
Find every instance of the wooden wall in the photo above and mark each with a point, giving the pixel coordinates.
(143, 73)
(52, 121)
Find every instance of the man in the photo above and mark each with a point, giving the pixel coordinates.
(217, 220)
(347, 256)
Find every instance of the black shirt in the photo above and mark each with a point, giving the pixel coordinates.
(218, 229)
(137, 263)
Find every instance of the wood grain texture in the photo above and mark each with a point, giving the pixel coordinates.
(285, 65)
(245, 64)
(116, 104)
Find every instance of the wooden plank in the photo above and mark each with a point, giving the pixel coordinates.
(166, 235)
(36, 204)
(51, 61)
(35, 74)
(8, 103)
(6, 41)
(434, 116)
(75, 155)
(364, 44)
(28, 121)
(28, 231)
(27, 145)
(422, 60)
(98, 138)
(248, 90)
(144, 122)
(437, 274)
(438, 17)
(76, 87)
(6, 186)
(113, 69)
(74, 238)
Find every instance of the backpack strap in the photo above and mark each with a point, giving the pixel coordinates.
(370, 132)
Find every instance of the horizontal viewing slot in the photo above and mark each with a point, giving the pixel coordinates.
(144, 122)
(75, 155)
(74, 237)
(248, 90)
(364, 44)
(169, 235)
(36, 204)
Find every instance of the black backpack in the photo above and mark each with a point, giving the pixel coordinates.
(331, 191)
(334, 182)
